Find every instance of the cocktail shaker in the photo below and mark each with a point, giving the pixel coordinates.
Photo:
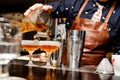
(75, 44)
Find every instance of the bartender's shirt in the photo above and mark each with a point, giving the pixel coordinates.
(70, 8)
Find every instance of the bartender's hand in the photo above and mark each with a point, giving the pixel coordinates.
(38, 6)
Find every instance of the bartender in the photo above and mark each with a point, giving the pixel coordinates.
(70, 8)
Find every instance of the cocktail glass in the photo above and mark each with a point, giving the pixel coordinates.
(8, 52)
(30, 46)
(49, 47)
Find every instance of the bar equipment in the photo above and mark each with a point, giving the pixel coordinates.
(75, 43)
(39, 21)
(60, 35)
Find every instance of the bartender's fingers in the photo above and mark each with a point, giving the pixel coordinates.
(38, 6)
(33, 8)
(27, 12)
(47, 8)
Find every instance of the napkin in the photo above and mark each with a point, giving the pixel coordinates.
(105, 67)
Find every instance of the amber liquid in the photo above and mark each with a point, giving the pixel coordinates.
(29, 26)
(49, 48)
(30, 47)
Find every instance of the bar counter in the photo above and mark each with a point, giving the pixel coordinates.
(41, 73)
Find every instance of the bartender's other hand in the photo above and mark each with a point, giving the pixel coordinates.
(38, 6)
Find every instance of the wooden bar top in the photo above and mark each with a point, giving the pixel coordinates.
(41, 73)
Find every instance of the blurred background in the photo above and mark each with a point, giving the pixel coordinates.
(18, 5)
(14, 9)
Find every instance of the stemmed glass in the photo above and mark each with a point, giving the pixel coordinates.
(30, 46)
(8, 52)
(49, 47)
